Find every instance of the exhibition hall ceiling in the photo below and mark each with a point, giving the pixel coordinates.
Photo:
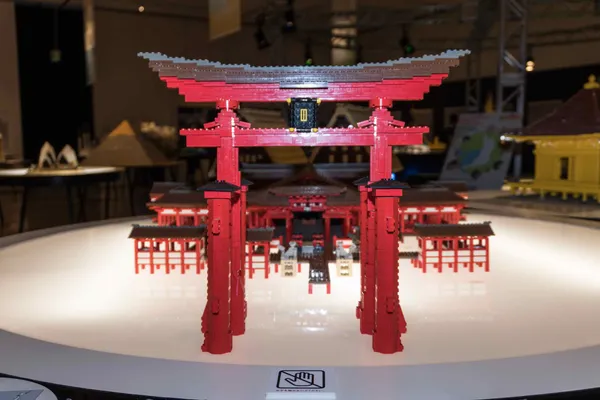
(434, 24)
(250, 8)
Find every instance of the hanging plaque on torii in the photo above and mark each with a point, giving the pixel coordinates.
(304, 88)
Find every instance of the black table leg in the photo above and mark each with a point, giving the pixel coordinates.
(1, 217)
(23, 210)
(70, 205)
(107, 200)
(82, 192)
(130, 175)
(173, 172)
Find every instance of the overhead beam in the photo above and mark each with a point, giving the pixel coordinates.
(323, 137)
(409, 89)
(510, 85)
(482, 14)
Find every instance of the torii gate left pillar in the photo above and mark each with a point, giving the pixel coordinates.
(228, 171)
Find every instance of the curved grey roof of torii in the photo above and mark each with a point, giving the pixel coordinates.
(449, 54)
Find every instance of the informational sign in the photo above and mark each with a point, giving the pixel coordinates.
(476, 155)
(17, 389)
(305, 384)
(301, 379)
(22, 389)
(224, 17)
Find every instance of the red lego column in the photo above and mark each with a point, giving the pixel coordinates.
(347, 224)
(382, 237)
(289, 228)
(228, 170)
(235, 321)
(365, 311)
(216, 323)
(380, 168)
(389, 319)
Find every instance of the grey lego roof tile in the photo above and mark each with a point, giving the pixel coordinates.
(449, 54)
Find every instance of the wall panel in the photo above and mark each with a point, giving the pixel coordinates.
(10, 102)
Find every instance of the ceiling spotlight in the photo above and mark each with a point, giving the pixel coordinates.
(141, 9)
(530, 65)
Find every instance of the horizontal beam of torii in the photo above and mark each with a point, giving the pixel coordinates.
(323, 137)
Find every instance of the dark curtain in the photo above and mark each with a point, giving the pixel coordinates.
(56, 103)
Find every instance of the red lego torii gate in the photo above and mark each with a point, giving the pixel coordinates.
(226, 85)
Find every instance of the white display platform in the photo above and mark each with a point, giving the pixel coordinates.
(74, 313)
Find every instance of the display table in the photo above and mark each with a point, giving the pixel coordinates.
(77, 318)
(79, 179)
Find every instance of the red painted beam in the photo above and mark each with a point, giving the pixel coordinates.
(398, 89)
(323, 137)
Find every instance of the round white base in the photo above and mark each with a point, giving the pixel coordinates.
(78, 289)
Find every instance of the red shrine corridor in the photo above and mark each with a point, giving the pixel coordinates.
(79, 288)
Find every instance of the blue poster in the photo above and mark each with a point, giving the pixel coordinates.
(476, 155)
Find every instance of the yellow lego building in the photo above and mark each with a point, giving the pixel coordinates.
(567, 148)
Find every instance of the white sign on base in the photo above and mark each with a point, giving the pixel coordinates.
(304, 384)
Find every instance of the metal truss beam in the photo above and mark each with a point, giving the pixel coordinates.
(473, 84)
(590, 33)
(482, 15)
(510, 86)
(510, 83)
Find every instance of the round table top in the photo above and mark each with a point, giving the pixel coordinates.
(471, 335)
(26, 176)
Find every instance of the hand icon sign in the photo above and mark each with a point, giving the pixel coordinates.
(301, 379)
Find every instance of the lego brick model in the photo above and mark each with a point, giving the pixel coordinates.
(318, 273)
(567, 148)
(379, 309)
(303, 114)
(454, 246)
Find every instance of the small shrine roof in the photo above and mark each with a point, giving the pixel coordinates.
(164, 187)
(579, 115)
(388, 184)
(307, 190)
(450, 230)
(455, 186)
(167, 232)
(263, 198)
(246, 182)
(297, 76)
(361, 181)
(308, 182)
(219, 186)
(408, 255)
(178, 198)
(259, 234)
(348, 198)
(430, 196)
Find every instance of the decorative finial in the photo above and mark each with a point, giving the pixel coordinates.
(591, 83)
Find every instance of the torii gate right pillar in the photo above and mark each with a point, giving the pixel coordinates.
(382, 241)
(389, 318)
